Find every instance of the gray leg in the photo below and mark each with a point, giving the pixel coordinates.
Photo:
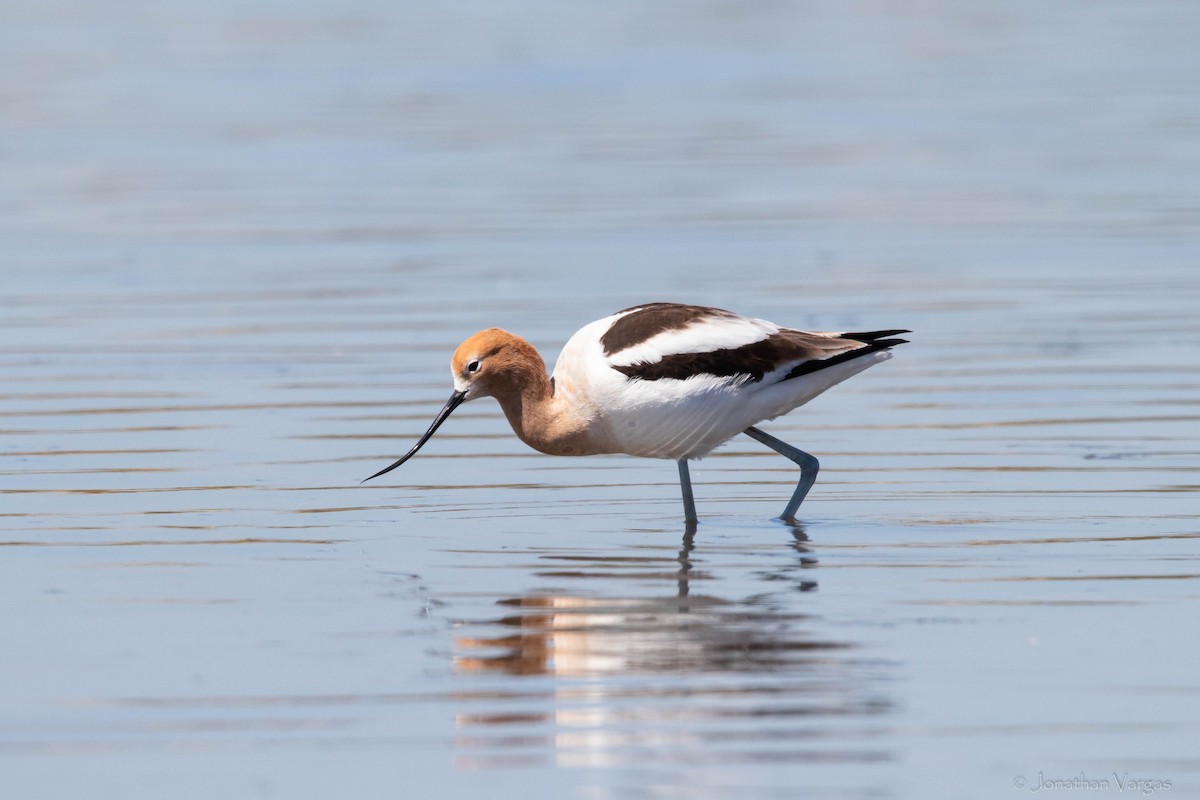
(689, 502)
(807, 463)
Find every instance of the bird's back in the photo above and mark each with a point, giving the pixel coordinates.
(666, 380)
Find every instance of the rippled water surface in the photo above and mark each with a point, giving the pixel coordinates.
(240, 241)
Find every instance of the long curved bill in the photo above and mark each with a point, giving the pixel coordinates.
(454, 402)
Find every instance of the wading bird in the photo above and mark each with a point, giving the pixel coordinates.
(660, 380)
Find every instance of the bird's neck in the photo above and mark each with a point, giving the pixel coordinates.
(542, 420)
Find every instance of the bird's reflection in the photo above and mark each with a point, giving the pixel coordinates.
(687, 631)
(667, 656)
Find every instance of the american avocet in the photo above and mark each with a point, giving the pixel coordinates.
(660, 380)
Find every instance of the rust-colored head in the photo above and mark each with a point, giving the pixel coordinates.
(494, 363)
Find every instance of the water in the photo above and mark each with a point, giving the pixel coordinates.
(241, 241)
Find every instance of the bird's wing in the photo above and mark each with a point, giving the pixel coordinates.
(670, 341)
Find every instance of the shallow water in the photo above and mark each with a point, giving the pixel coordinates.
(240, 243)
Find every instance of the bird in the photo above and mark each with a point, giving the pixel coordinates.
(660, 380)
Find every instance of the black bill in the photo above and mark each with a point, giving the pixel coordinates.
(454, 402)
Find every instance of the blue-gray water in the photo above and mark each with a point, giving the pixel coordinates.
(239, 242)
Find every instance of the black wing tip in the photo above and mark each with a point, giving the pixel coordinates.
(878, 337)
(887, 344)
(875, 342)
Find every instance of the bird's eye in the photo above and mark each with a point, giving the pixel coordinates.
(473, 366)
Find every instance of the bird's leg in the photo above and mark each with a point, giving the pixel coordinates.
(689, 502)
(808, 468)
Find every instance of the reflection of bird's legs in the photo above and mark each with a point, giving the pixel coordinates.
(808, 468)
(800, 537)
(685, 563)
(689, 502)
